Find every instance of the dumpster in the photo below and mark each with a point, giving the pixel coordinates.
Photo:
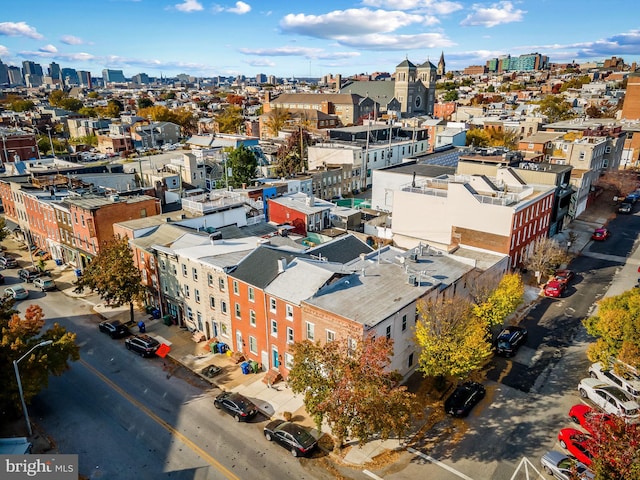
(246, 369)
(255, 367)
(167, 320)
(155, 313)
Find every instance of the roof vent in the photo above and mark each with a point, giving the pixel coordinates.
(412, 280)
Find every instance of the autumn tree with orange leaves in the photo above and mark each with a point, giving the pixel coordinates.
(18, 336)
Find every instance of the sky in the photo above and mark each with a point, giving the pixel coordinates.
(307, 38)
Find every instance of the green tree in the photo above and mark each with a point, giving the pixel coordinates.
(576, 82)
(186, 119)
(243, 164)
(616, 327)
(113, 108)
(556, 108)
(453, 341)
(88, 111)
(277, 118)
(93, 95)
(71, 104)
(22, 106)
(113, 275)
(145, 102)
(230, 119)
(450, 96)
(352, 388)
(55, 97)
(18, 335)
(502, 301)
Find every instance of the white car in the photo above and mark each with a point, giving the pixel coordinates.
(610, 399)
(620, 377)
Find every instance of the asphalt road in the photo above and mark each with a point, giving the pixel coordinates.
(132, 417)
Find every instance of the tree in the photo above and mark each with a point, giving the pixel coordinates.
(113, 108)
(4, 231)
(277, 118)
(18, 336)
(619, 459)
(243, 164)
(55, 97)
(502, 301)
(547, 256)
(113, 275)
(450, 96)
(145, 102)
(507, 137)
(617, 329)
(230, 119)
(556, 108)
(351, 388)
(22, 106)
(623, 182)
(71, 104)
(477, 137)
(454, 342)
(291, 155)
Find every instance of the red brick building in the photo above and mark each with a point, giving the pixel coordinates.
(304, 213)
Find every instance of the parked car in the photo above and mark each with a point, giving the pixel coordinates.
(609, 398)
(236, 405)
(579, 444)
(625, 207)
(17, 292)
(8, 262)
(1, 279)
(29, 274)
(564, 276)
(291, 436)
(620, 377)
(510, 339)
(114, 328)
(592, 420)
(142, 344)
(601, 234)
(44, 283)
(565, 467)
(555, 289)
(464, 398)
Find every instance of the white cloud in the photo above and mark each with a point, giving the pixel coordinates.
(397, 42)
(351, 22)
(71, 40)
(297, 52)
(496, 14)
(4, 51)
(189, 6)
(433, 6)
(19, 29)
(261, 62)
(48, 49)
(241, 8)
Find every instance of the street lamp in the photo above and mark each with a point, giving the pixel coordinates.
(51, 141)
(15, 367)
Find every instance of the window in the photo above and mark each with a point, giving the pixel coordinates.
(404, 323)
(237, 310)
(221, 284)
(199, 317)
(331, 336)
(274, 328)
(288, 361)
(289, 335)
(252, 318)
(388, 332)
(253, 345)
(289, 312)
(223, 307)
(189, 313)
(235, 288)
(210, 279)
(310, 331)
(194, 273)
(196, 294)
(212, 301)
(184, 270)
(252, 295)
(142, 257)
(272, 304)
(410, 362)
(186, 291)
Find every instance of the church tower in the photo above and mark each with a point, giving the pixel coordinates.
(427, 74)
(441, 70)
(404, 85)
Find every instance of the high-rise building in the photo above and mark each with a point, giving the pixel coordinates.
(84, 79)
(141, 79)
(15, 76)
(31, 68)
(4, 73)
(113, 76)
(70, 76)
(261, 78)
(54, 71)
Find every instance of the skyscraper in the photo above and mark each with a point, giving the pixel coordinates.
(113, 76)
(54, 71)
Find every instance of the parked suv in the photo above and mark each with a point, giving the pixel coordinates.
(142, 344)
(28, 274)
(8, 262)
(510, 339)
(619, 377)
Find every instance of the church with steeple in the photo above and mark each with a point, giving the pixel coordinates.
(410, 93)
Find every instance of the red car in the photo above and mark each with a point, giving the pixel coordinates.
(600, 234)
(578, 443)
(554, 288)
(564, 276)
(593, 421)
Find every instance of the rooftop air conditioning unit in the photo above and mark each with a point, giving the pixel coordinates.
(412, 280)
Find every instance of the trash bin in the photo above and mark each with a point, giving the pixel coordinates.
(167, 320)
(59, 262)
(155, 313)
(255, 367)
(213, 346)
(78, 272)
(149, 308)
(222, 347)
(246, 369)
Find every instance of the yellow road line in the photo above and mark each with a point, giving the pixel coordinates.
(204, 455)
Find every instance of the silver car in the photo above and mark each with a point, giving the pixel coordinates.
(564, 467)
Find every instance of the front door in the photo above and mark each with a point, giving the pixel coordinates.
(265, 360)
(239, 341)
(274, 357)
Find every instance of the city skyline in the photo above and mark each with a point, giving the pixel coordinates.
(205, 39)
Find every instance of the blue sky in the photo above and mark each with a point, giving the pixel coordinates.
(308, 38)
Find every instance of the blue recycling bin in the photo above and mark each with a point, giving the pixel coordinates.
(58, 261)
(155, 313)
(78, 272)
(245, 367)
(222, 347)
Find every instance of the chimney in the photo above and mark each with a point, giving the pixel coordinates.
(282, 265)
(338, 81)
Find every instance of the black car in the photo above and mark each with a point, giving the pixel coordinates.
(464, 398)
(28, 274)
(236, 405)
(142, 344)
(625, 207)
(510, 339)
(291, 436)
(8, 262)
(114, 328)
